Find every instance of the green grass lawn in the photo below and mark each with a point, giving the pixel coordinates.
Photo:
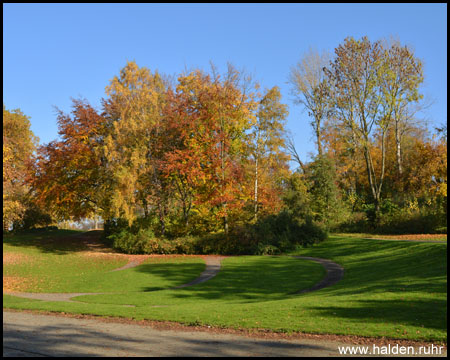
(390, 289)
(415, 237)
(50, 266)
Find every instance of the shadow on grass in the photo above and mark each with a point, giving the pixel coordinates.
(249, 279)
(172, 274)
(386, 267)
(430, 313)
(59, 242)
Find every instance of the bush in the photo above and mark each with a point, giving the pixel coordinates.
(114, 227)
(267, 250)
(441, 230)
(145, 242)
(357, 223)
(37, 230)
(236, 242)
(34, 217)
(394, 220)
(404, 223)
(283, 231)
(271, 235)
(131, 243)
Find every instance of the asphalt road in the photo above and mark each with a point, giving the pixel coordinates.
(33, 335)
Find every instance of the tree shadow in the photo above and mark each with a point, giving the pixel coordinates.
(272, 278)
(173, 273)
(59, 242)
(76, 338)
(62, 340)
(249, 347)
(402, 267)
(430, 313)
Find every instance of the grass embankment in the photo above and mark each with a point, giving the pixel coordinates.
(410, 237)
(60, 261)
(390, 289)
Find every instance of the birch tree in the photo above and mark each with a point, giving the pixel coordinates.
(310, 90)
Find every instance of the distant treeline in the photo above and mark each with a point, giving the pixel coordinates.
(208, 153)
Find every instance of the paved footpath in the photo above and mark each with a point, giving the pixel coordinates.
(34, 335)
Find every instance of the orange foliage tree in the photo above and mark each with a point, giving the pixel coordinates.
(67, 174)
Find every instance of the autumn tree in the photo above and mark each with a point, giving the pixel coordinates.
(402, 74)
(210, 118)
(293, 154)
(235, 116)
(341, 148)
(181, 164)
(268, 143)
(357, 92)
(426, 168)
(310, 89)
(19, 143)
(131, 147)
(67, 174)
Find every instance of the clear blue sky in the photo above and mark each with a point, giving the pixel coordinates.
(52, 52)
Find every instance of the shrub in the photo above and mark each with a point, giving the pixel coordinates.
(271, 235)
(357, 223)
(263, 249)
(234, 243)
(284, 231)
(131, 243)
(113, 227)
(394, 220)
(145, 242)
(33, 217)
(404, 223)
(441, 230)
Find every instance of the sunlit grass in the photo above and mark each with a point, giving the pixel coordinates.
(415, 237)
(390, 289)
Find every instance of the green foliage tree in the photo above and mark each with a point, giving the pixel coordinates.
(325, 200)
(369, 84)
(296, 196)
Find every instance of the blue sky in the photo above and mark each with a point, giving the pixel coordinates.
(52, 52)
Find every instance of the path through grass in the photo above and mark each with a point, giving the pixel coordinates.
(390, 289)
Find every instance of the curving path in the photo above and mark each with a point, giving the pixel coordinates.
(131, 264)
(49, 296)
(335, 272)
(212, 269)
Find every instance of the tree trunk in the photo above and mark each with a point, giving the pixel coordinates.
(224, 204)
(256, 189)
(163, 223)
(399, 148)
(145, 206)
(372, 182)
(319, 144)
